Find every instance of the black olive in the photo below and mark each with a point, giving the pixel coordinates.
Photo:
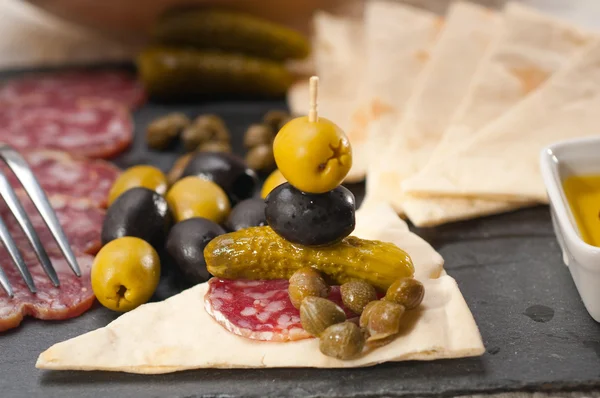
(138, 212)
(186, 243)
(311, 219)
(247, 213)
(226, 170)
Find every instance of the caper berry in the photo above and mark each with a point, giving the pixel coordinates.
(205, 128)
(408, 292)
(306, 282)
(261, 158)
(343, 341)
(364, 317)
(383, 319)
(258, 134)
(276, 119)
(357, 294)
(162, 131)
(177, 168)
(215, 146)
(317, 314)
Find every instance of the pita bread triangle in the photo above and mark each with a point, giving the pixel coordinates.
(501, 161)
(461, 45)
(494, 91)
(183, 336)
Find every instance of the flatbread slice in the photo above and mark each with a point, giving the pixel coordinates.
(501, 161)
(462, 44)
(398, 39)
(185, 337)
(531, 48)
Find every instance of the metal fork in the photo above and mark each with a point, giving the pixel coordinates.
(21, 169)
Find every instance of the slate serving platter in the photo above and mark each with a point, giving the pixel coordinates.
(538, 335)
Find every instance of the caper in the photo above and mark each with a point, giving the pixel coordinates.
(306, 282)
(342, 341)
(261, 158)
(258, 134)
(357, 294)
(205, 128)
(162, 131)
(317, 314)
(383, 319)
(364, 317)
(408, 292)
(177, 168)
(215, 146)
(276, 119)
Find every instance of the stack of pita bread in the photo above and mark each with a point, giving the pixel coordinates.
(447, 117)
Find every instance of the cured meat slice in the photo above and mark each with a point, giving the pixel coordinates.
(259, 309)
(60, 173)
(72, 298)
(69, 87)
(96, 129)
(81, 221)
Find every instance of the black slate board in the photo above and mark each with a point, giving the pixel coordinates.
(537, 333)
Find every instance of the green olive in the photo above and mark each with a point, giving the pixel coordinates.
(357, 294)
(258, 134)
(197, 197)
(383, 319)
(276, 119)
(274, 180)
(317, 314)
(204, 129)
(215, 146)
(408, 292)
(342, 341)
(125, 273)
(306, 282)
(162, 131)
(138, 176)
(261, 158)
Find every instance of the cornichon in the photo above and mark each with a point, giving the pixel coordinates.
(230, 31)
(176, 73)
(259, 253)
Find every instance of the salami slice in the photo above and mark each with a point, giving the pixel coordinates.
(60, 173)
(81, 221)
(72, 298)
(96, 129)
(259, 310)
(69, 87)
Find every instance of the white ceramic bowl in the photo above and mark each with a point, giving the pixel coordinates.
(559, 161)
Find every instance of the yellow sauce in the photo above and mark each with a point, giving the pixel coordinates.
(583, 195)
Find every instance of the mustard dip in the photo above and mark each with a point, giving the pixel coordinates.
(583, 195)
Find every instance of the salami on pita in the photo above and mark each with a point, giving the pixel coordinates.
(462, 44)
(184, 336)
(530, 49)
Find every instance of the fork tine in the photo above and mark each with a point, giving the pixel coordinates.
(11, 199)
(19, 166)
(10, 245)
(6, 284)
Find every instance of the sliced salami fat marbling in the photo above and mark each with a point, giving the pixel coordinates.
(259, 310)
(69, 87)
(60, 173)
(71, 299)
(95, 129)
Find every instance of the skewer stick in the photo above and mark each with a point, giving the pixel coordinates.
(313, 90)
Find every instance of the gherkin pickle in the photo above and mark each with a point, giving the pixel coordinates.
(342, 341)
(233, 256)
(408, 292)
(317, 314)
(171, 74)
(230, 31)
(162, 131)
(357, 294)
(306, 282)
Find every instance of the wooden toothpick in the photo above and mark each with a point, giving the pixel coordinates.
(313, 90)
